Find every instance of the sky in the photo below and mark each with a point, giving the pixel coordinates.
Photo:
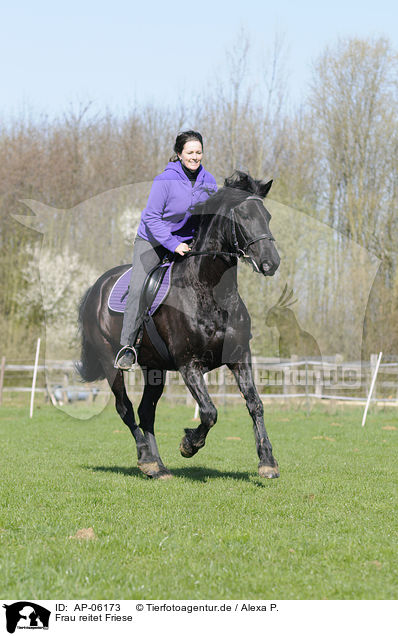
(116, 53)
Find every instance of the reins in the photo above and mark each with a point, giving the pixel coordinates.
(210, 253)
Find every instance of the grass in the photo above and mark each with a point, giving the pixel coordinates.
(326, 529)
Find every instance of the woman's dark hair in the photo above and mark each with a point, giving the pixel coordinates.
(181, 140)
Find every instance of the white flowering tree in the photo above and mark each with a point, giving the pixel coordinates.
(54, 284)
(78, 245)
(128, 224)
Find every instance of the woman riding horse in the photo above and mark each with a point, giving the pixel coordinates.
(203, 325)
(166, 226)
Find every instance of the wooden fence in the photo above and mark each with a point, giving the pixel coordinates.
(331, 379)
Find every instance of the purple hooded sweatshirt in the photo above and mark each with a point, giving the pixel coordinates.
(166, 219)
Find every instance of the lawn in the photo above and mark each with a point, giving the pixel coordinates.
(326, 529)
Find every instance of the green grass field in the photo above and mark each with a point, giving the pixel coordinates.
(326, 529)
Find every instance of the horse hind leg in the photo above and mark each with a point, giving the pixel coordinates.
(195, 438)
(154, 385)
(147, 462)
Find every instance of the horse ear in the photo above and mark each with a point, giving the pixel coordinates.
(265, 187)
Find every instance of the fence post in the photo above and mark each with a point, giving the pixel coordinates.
(286, 379)
(32, 397)
(3, 366)
(318, 381)
(373, 364)
(371, 388)
(295, 373)
(307, 400)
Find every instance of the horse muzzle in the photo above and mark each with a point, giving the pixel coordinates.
(268, 268)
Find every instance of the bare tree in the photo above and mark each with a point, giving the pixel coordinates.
(354, 100)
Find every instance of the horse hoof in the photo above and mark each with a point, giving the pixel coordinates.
(154, 470)
(187, 451)
(150, 469)
(189, 446)
(269, 472)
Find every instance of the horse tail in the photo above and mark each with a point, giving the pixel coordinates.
(89, 366)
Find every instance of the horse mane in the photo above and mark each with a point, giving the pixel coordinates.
(235, 189)
(243, 181)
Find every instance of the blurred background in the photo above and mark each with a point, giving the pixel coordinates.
(92, 98)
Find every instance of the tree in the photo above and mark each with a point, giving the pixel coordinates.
(354, 102)
(53, 285)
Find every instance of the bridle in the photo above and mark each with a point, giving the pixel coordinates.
(240, 252)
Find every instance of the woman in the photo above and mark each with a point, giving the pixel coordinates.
(166, 226)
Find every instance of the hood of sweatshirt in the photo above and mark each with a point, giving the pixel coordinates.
(174, 170)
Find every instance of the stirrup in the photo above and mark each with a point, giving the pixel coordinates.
(120, 354)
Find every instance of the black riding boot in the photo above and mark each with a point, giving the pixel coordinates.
(129, 353)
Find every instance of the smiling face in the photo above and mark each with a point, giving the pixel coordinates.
(191, 155)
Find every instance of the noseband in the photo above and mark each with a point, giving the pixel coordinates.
(240, 252)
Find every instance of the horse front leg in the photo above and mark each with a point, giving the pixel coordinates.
(268, 466)
(195, 438)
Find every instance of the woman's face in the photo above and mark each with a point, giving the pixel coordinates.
(191, 155)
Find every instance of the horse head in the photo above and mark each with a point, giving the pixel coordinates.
(250, 221)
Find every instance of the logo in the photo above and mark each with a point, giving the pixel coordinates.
(26, 615)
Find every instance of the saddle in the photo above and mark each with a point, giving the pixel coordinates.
(154, 291)
(153, 285)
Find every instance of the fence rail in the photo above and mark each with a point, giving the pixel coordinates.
(327, 379)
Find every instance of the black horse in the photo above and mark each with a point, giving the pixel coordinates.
(204, 323)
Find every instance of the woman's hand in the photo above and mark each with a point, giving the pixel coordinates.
(182, 249)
